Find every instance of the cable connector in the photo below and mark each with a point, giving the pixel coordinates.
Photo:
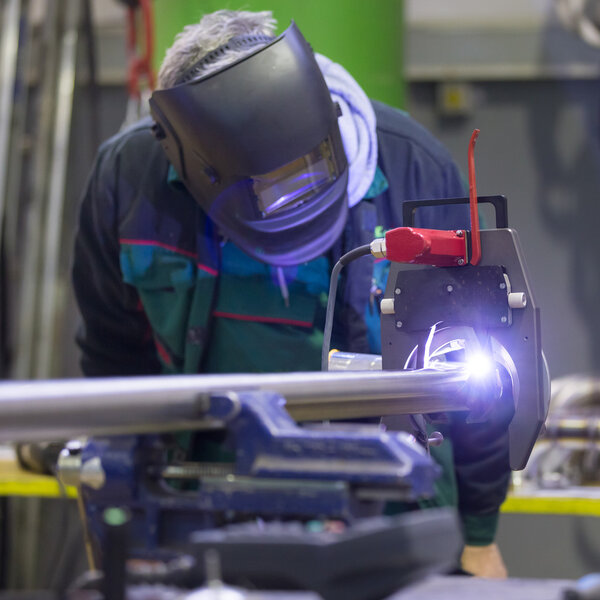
(436, 247)
(378, 248)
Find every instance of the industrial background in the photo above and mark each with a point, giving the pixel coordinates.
(509, 68)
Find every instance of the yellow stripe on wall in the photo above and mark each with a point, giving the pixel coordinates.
(553, 505)
(16, 482)
(38, 489)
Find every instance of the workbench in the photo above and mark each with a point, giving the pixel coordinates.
(470, 588)
(550, 534)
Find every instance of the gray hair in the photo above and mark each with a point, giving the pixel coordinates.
(213, 30)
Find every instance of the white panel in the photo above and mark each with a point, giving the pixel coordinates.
(457, 13)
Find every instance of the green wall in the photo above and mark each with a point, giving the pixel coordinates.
(363, 35)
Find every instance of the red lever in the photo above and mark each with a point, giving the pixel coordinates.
(475, 237)
(140, 65)
(440, 248)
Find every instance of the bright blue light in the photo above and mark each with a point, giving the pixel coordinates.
(480, 365)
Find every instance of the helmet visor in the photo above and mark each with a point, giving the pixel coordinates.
(288, 217)
(296, 182)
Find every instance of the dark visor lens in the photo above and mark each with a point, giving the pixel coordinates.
(297, 181)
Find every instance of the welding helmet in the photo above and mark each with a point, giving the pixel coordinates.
(257, 144)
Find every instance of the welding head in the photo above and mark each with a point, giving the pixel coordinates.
(258, 146)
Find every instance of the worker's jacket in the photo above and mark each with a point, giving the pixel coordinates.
(160, 291)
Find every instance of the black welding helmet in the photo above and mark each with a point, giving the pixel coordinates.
(257, 144)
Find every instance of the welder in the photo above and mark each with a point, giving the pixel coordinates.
(207, 232)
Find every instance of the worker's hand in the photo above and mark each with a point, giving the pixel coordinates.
(483, 561)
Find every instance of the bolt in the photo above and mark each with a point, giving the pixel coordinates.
(460, 232)
(502, 286)
(398, 324)
(73, 447)
(461, 262)
(503, 319)
(435, 439)
(449, 288)
(397, 291)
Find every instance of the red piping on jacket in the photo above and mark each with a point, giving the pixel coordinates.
(256, 319)
(162, 352)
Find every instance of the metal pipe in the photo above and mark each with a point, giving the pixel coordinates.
(49, 308)
(61, 409)
(29, 295)
(9, 51)
(8, 69)
(352, 361)
(16, 160)
(573, 427)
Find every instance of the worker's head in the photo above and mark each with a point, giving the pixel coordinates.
(247, 121)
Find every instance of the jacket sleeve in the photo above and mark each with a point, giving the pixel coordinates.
(482, 470)
(114, 336)
(422, 170)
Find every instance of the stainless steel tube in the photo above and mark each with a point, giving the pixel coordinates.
(352, 361)
(59, 409)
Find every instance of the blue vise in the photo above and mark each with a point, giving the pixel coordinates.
(279, 471)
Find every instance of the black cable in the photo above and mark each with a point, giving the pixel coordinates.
(339, 265)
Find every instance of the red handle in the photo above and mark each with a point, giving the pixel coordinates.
(140, 65)
(475, 237)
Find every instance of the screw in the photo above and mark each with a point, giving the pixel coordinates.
(449, 288)
(459, 232)
(461, 262)
(502, 286)
(397, 291)
(398, 324)
(503, 319)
